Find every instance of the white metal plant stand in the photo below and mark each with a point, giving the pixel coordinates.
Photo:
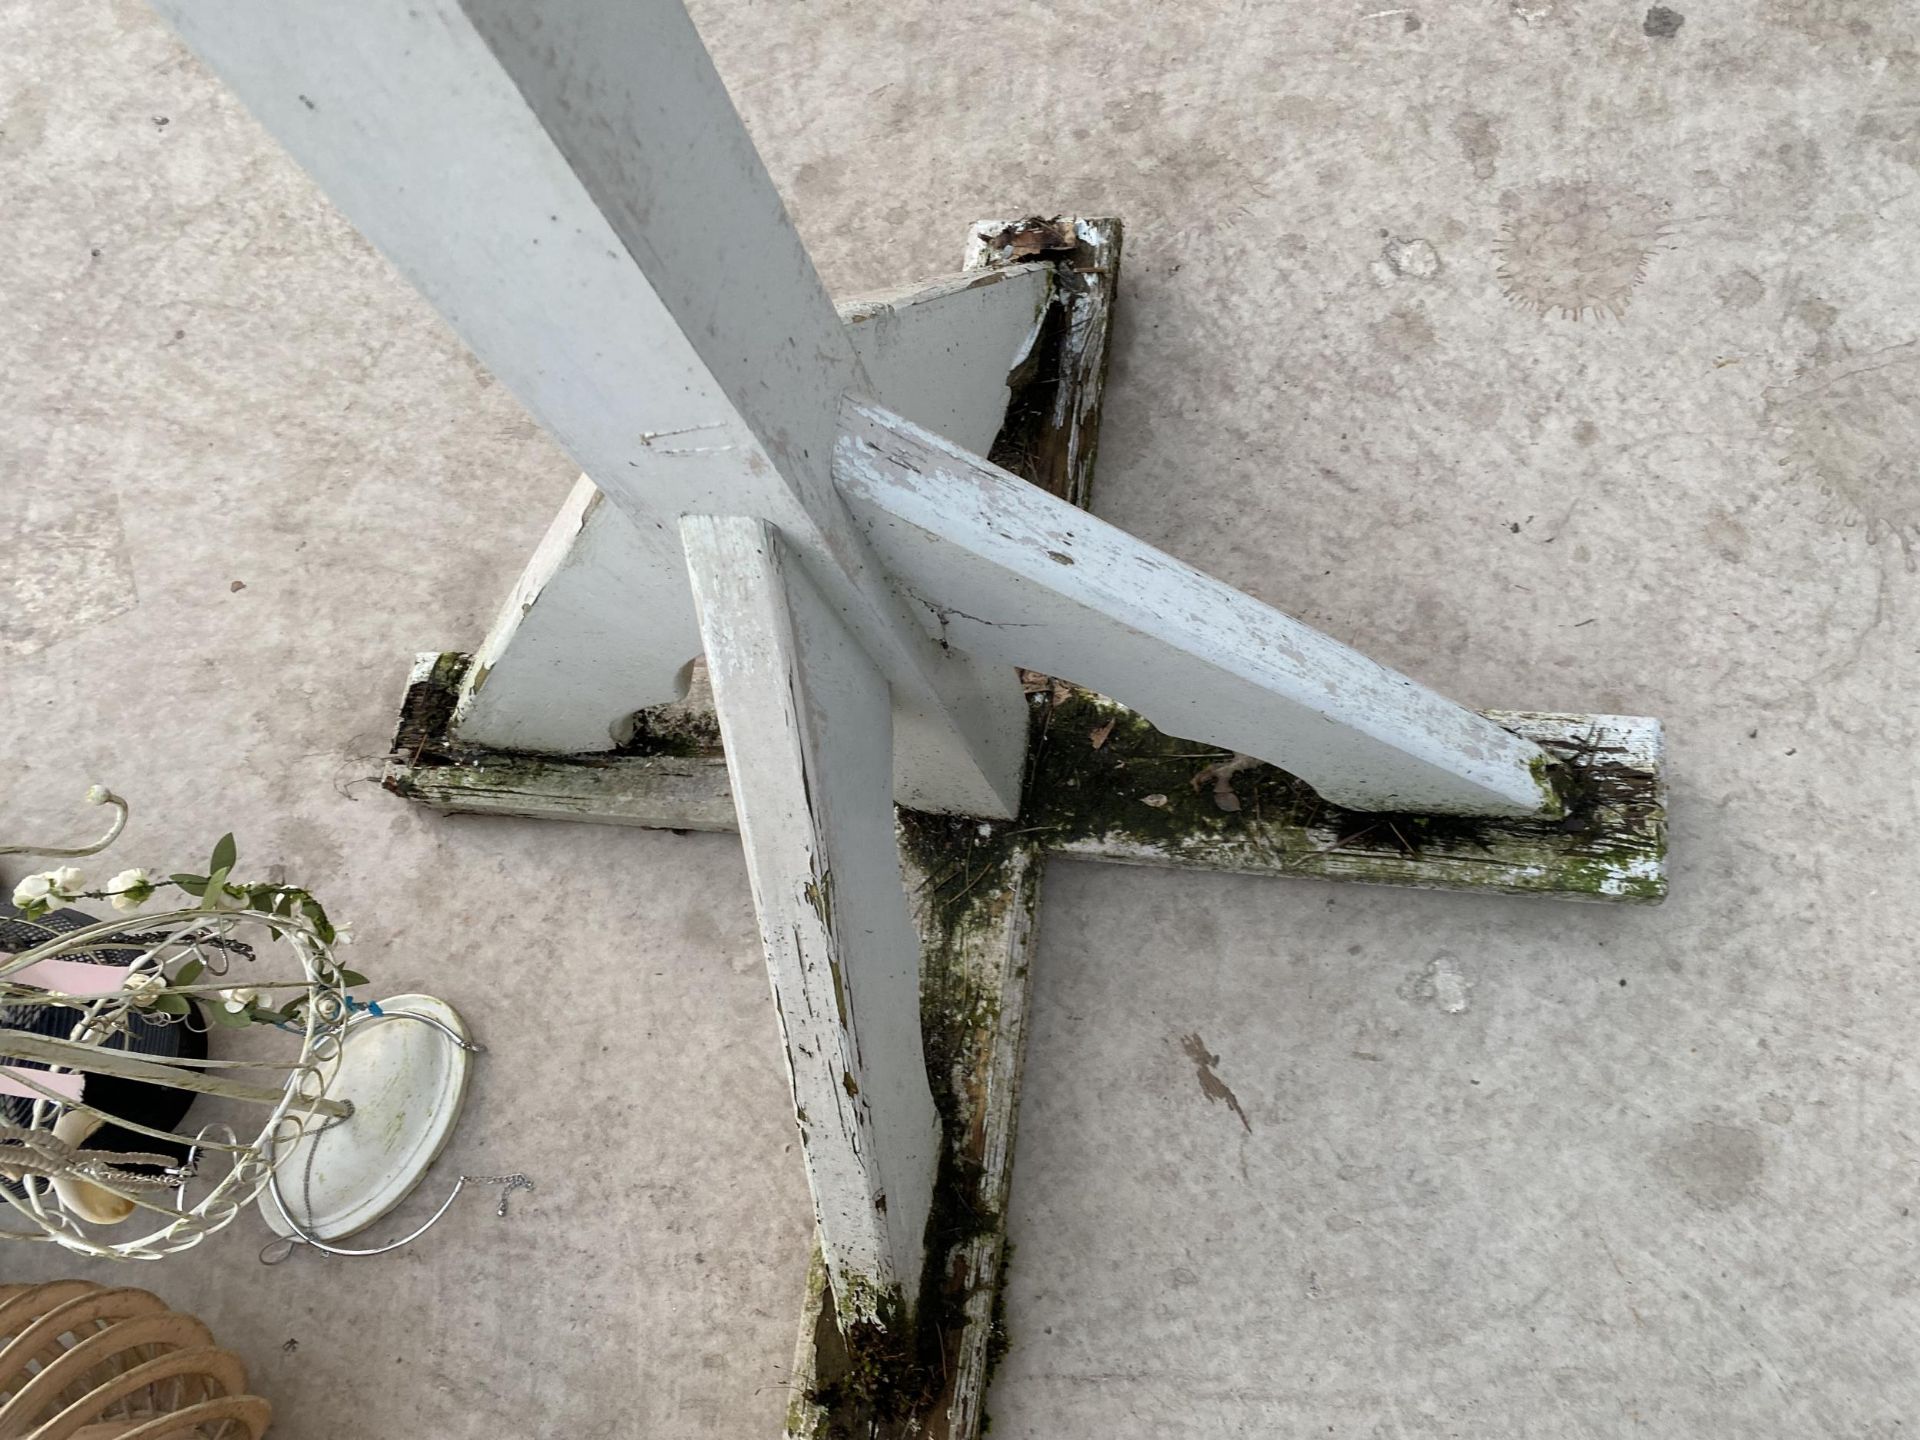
(327, 1111)
(803, 497)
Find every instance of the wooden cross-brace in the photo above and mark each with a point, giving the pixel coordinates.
(870, 523)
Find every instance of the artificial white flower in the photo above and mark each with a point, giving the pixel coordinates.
(48, 886)
(144, 987)
(98, 795)
(130, 889)
(238, 998)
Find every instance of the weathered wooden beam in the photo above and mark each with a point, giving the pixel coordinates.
(974, 897)
(1109, 786)
(572, 189)
(600, 625)
(1008, 572)
(670, 776)
(807, 725)
(1142, 797)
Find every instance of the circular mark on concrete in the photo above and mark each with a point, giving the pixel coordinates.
(1662, 23)
(1852, 429)
(1576, 247)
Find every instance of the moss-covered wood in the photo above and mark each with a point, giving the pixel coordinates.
(1109, 786)
(1136, 797)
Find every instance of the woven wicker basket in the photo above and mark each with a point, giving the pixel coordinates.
(79, 1361)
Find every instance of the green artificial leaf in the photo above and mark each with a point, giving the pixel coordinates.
(224, 854)
(192, 884)
(351, 978)
(216, 886)
(189, 972)
(170, 1004)
(219, 1014)
(317, 917)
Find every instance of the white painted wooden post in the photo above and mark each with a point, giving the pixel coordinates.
(570, 186)
(805, 717)
(601, 624)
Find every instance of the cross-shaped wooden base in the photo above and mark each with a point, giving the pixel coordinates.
(1102, 783)
(817, 503)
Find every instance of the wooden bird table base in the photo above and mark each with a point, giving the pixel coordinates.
(868, 520)
(1102, 783)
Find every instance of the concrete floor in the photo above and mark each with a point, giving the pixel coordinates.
(1566, 358)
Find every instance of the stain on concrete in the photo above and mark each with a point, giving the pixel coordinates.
(1776, 1111)
(23, 120)
(1414, 259)
(1793, 159)
(1211, 1085)
(1851, 429)
(1828, 22)
(1715, 1165)
(1893, 130)
(1442, 983)
(66, 572)
(1816, 314)
(1404, 335)
(1481, 142)
(1577, 247)
(1142, 110)
(1726, 535)
(1662, 23)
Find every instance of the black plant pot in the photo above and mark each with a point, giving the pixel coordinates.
(156, 1106)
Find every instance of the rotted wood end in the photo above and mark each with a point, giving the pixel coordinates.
(671, 775)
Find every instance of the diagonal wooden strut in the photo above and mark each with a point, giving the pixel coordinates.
(1012, 573)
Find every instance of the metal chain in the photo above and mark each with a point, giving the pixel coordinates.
(513, 1182)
